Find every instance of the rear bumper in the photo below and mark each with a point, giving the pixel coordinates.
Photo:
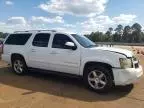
(127, 76)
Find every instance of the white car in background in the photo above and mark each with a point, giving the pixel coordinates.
(72, 54)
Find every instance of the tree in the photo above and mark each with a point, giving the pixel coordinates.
(5, 35)
(136, 32)
(109, 34)
(127, 34)
(118, 32)
(136, 27)
(111, 29)
(1, 34)
(142, 36)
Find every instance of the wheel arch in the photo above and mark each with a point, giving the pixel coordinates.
(14, 55)
(90, 63)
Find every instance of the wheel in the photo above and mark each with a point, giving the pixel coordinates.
(19, 66)
(98, 78)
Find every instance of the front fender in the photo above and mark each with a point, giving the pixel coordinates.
(112, 63)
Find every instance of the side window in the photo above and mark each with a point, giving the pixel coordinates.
(60, 40)
(41, 40)
(18, 39)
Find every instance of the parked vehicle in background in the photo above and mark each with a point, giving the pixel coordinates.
(100, 67)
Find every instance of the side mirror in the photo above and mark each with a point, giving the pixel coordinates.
(70, 45)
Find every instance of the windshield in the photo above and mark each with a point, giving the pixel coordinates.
(84, 41)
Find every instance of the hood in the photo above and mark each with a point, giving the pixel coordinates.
(116, 50)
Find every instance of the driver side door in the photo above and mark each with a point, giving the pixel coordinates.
(64, 59)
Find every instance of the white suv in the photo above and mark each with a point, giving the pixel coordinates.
(72, 54)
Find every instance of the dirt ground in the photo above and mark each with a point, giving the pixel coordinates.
(39, 90)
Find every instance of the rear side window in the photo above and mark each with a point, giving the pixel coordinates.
(41, 40)
(17, 39)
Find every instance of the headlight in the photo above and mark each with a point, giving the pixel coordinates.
(125, 63)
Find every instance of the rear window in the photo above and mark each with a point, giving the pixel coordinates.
(18, 39)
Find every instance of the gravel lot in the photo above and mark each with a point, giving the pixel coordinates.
(39, 90)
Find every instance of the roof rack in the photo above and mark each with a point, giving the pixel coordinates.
(35, 30)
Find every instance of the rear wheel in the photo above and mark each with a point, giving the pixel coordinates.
(19, 66)
(98, 78)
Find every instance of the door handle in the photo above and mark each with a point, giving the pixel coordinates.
(53, 52)
(33, 50)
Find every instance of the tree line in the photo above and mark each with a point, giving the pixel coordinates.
(3, 35)
(127, 34)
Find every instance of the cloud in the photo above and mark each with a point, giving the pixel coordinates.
(75, 7)
(16, 21)
(9, 3)
(64, 29)
(102, 23)
(44, 20)
(2, 23)
(97, 23)
(124, 19)
(20, 23)
(69, 25)
(4, 27)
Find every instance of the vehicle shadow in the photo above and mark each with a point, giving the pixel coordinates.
(62, 86)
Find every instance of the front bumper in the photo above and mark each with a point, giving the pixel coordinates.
(127, 76)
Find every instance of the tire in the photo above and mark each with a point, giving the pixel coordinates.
(98, 78)
(19, 66)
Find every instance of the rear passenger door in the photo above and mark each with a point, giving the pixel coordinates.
(38, 54)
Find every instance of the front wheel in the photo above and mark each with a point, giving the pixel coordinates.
(19, 66)
(98, 78)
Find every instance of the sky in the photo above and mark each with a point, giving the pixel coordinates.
(79, 16)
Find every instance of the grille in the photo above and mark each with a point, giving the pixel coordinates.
(135, 62)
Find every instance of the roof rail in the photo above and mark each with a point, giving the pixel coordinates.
(35, 30)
